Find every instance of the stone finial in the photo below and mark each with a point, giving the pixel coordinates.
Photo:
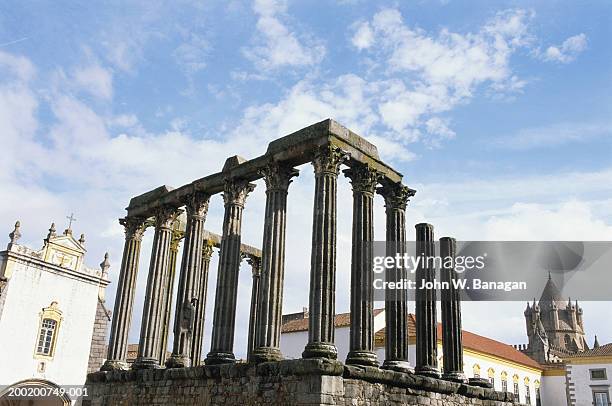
(104, 265)
(82, 239)
(52, 232)
(15, 234)
(596, 343)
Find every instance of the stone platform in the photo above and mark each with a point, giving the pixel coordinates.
(288, 382)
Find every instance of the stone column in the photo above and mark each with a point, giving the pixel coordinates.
(426, 322)
(224, 319)
(256, 275)
(396, 307)
(169, 289)
(361, 348)
(452, 345)
(202, 288)
(269, 313)
(322, 300)
(152, 314)
(126, 289)
(187, 300)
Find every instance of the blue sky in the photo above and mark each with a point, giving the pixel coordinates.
(498, 113)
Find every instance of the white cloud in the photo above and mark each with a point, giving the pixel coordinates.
(275, 45)
(191, 55)
(554, 134)
(568, 50)
(363, 37)
(431, 73)
(95, 80)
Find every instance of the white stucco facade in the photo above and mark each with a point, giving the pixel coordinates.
(52, 282)
(584, 385)
(528, 377)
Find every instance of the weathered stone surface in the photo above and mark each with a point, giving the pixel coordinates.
(396, 308)
(189, 278)
(270, 293)
(289, 382)
(151, 328)
(224, 318)
(363, 180)
(452, 345)
(322, 300)
(426, 317)
(126, 291)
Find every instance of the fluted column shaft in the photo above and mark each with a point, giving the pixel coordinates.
(270, 301)
(126, 290)
(396, 308)
(152, 314)
(255, 288)
(169, 291)
(202, 288)
(224, 319)
(426, 318)
(363, 180)
(187, 295)
(322, 298)
(452, 344)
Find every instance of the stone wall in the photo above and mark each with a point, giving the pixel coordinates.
(97, 353)
(289, 382)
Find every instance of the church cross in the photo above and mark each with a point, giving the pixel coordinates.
(71, 218)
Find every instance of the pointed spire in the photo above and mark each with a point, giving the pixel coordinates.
(82, 239)
(15, 234)
(549, 276)
(52, 232)
(596, 343)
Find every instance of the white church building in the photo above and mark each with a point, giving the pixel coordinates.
(584, 379)
(52, 314)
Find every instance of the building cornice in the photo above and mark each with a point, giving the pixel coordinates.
(38, 263)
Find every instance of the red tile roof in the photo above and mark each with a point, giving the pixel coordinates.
(341, 320)
(470, 340)
(602, 350)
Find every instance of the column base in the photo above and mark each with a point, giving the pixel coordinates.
(427, 371)
(218, 357)
(320, 350)
(360, 357)
(146, 363)
(398, 366)
(481, 382)
(266, 354)
(178, 361)
(457, 376)
(114, 365)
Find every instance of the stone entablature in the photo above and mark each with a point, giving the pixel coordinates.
(289, 382)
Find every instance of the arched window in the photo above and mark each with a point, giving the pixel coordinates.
(476, 370)
(504, 381)
(50, 320)
(517, 395)
(568, 341)
(491, 374)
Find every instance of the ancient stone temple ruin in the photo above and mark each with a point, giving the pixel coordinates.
(319, 378)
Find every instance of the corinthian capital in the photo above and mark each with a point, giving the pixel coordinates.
(236, 191)
(328, 159)
(165, 217)
(363, 178)
(278, 177)
(396, 195)
(196, 204)
(255, 263)
(134, 227)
